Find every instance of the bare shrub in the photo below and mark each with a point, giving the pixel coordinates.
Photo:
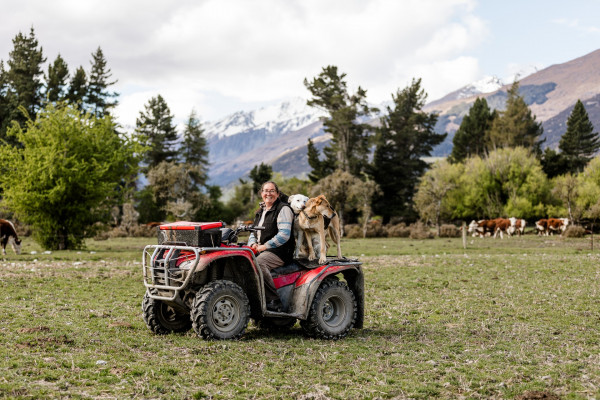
(143, 231)
(574, 231)
(353, 231)
(376, 229)
(449, 230)
(419, 230)
(398, 230)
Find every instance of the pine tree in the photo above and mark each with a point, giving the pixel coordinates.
(194, 151)
(579, 143)
(21, 84)
(56, 81)
(350, 140)
(77, 92)
(405, 136)
(516, 126)
(470, 138)
(320, 168)
(156, 130)
(99, 99)
(259, 175)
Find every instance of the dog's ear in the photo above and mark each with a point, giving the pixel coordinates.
(291, 198)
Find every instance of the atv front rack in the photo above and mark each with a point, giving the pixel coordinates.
(168, 268)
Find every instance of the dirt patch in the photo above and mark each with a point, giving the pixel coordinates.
(538, 395)
(36, 329)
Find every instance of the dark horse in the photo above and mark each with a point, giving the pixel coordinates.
(8, 234)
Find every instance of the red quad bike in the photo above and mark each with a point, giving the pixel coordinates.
(199, 276)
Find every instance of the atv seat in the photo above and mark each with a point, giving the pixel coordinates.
(294, 266)
(287, 269)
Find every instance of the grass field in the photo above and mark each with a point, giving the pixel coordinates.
(513, 318)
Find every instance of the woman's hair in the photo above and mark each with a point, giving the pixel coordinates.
(271, 182)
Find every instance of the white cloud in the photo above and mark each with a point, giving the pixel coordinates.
(255, 51)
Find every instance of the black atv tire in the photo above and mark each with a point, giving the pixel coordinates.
(162, 319)
(332, 312)
(276, 325)
(221, 311)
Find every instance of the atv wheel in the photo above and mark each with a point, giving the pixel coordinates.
(162, 318)
(276, 324)
(221, 311)
(332, 312)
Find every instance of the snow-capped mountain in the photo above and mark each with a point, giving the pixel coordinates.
(284, 117)
(485, 85)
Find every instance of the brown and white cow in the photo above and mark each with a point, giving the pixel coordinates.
(8, 234)
(517, 226)
(502, 226)
(550, 225)
(481, 228)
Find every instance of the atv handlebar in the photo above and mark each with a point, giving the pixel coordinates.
(249, 228)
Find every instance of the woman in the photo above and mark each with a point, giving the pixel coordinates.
(275, 243)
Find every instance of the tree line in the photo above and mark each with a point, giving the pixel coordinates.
(68, 169)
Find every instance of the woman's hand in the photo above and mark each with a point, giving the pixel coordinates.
(258, 247)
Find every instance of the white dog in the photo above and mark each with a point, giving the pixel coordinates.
(297, 202)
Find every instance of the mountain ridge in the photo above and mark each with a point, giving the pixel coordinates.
(278, 134)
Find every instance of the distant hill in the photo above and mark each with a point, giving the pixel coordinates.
(550, 93)
(278, 135)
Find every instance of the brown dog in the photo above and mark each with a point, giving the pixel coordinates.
(311, 226)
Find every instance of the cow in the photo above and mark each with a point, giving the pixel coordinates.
(488, 227)
(542, 227)
(517, 226)
(557, 225)
(480, 228)
(550, 225)
(502, 226)
(8, 234)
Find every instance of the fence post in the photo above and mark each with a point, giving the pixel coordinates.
(464, 234)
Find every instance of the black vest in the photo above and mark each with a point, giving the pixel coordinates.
(286, 251)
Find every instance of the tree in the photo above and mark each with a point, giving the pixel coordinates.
(405, 136)
(346, 192)
(22, 82)
(431, 199)
(470, 138)
(320, 168)
(155, 129)
(579, 143)
(99, 99)
(516, 126)
(174, 190)
(259, 175)
(194, 151)
(350, 142)
(566, 188)
(508, 182)
(56, 81)
(77, 92)
(67, 176)
(554, 163)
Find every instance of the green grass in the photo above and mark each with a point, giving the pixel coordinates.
(500, 319)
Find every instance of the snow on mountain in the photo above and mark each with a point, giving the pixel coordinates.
(283, 117)
(486, 85)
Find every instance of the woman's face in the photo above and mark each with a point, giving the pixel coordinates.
(269, 194)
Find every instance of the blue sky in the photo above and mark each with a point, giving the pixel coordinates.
(222, 56)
